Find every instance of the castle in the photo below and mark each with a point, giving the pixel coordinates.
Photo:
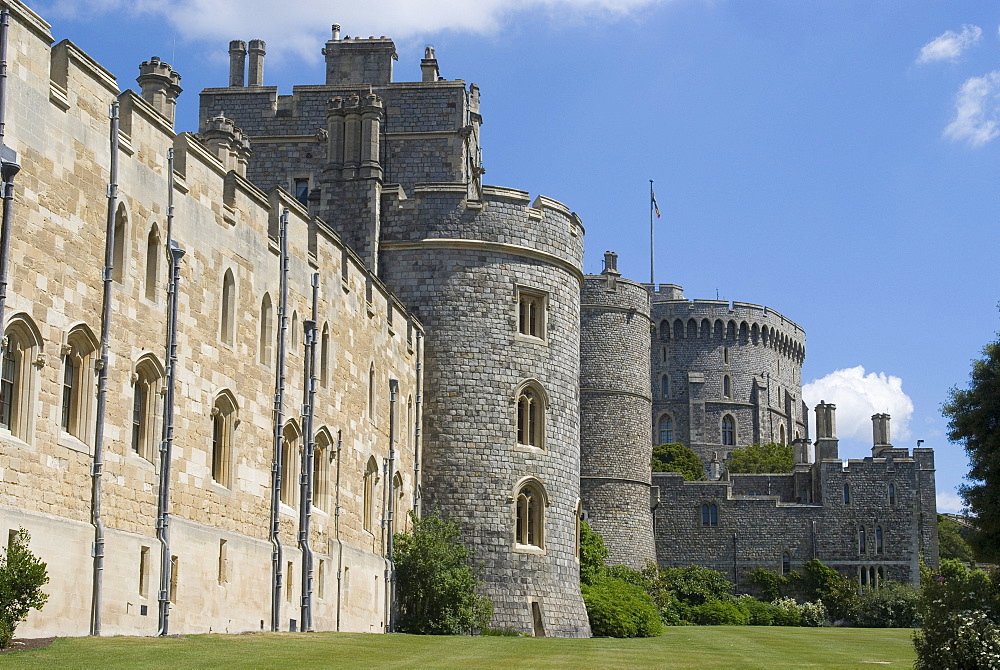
(233, 361)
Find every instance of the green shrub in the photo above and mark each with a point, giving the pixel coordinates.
(966, 639)
(761, 459)
(838, 592)
(592, 555)
(435, 587)
(759, 613)
(767, 583)
(814, 614)
(719, 613)
(22, 577)
(619, 609)
(675, 457)
(787, 612)
(695, 585)
(891, 605)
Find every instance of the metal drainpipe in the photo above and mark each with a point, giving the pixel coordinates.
(167, 443)
(308, 453)
(97, 467)
(336, 523)
(417, 419)
(279, 401)
(8, 169)
(390, 568)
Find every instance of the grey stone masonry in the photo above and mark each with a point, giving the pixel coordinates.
(615, 407)
(713, 359)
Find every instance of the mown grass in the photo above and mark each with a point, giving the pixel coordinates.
(743, 647)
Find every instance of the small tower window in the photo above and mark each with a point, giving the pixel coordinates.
(530, 417)
(531, 313)
(664, 387)
(786, 563)
(529, 506)
(727, 390)
(862, 544)
(892, 495)
(728, 430)
(879, 545)
(847, 494)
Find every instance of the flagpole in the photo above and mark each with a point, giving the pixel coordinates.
(651, 196)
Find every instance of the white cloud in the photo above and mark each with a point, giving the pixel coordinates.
(858, 396)
(977, 108)
(951, 45)
(301, 30)
(949, 501)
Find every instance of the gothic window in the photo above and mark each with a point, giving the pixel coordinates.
(781, 435)
(892, 495)
(324, 356)
(295, 330)
(531, 416)
(879, 546)
(266, 330)
(120, 239)
(529, 504)
(224, 420)
(153, 251)
(371, 393)
(290, 452)
(728, 430)
(727, 390)
(531, 313)
(666, 429)
(321, 470)
(371, 479)
(78, 397)
(145, 409)
(227, 313)
(709, 514)
(725, 355)
(847, 494)
(786, 563)
(664, 330)
(18, 351)
(678, 329)
(398, 505)
(862, 544)
(664, 387)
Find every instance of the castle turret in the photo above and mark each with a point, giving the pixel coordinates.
(880, 434)
(160, 86)
(827, 444)
(359, 61)
(615, 406)
(227, 143)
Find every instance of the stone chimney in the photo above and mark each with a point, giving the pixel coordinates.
(237, 63)
(800, 450)
(160, 86)
(429, 65)
(880, 434)
(827, 444)
(256, 77)
(611, 264)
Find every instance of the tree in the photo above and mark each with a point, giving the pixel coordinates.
(974, 421)
(951, 544)
(22, 577)
(435, 586)
(675, 457)
(761, 459)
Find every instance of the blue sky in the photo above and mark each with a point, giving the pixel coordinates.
(833, 160)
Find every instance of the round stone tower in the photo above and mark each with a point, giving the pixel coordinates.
(496, 283)
(724, 374)
(615, 407)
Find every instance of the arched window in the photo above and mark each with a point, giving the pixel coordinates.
(879, 546)
(371, 393)
(892, 494)
(120, 240)
(78, 380)
(666, 429)
(781, 434)
(324, 356)
(399, 505)
(531, 416)
(725, 355)
(709, 514)
(529, 507)
(728, 430)
(664, 330)
(727, 390)
(664, 387)
(786, 563)
(371, 480)
(678, 329)
(153, 251)
(266, 330)
(295, 330)
(145, 410)
(321, 470)
(18, 376)
(224, 420)
(227, 314)
(847, 494)
(692, 329)
(291, 446)
(862, 544)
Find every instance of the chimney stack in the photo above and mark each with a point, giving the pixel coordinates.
(257, 52)
(237, 63)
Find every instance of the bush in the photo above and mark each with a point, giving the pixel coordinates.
(761, 459)
(619, 609)
(891, 605)
(968, 639)
(675, 457)
(719, 613)
(767, 583)
(592, 555)
(22, 577)
(759, 613)
(814, 614)
(695, 585)
(435, 587)
(838, 592)
(787, 612)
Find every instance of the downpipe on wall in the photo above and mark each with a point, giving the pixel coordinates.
(390, 567)
(8, 170)
(279, 403)
(336, 525)
(417, 418)
(308, 454)
(97, 466)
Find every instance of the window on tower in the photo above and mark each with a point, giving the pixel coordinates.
(531, 306)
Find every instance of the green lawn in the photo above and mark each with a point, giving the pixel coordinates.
(700, 647)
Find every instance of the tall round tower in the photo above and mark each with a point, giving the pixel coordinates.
(496, 283)
(615, 407)
(724, 374)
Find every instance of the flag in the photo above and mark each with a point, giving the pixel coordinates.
(652, 197)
